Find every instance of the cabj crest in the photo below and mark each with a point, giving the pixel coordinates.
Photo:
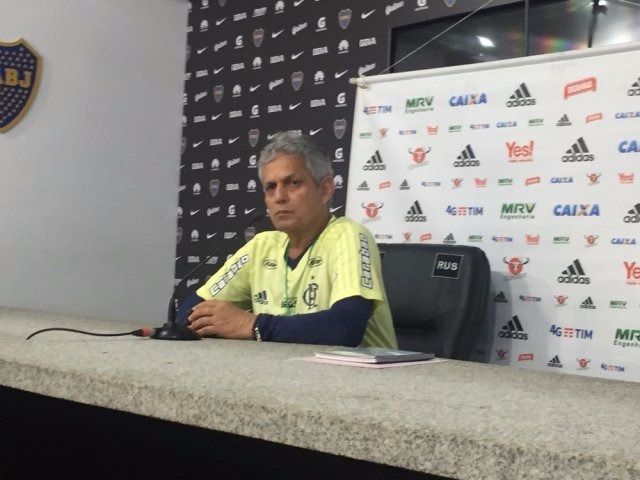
(20, 71)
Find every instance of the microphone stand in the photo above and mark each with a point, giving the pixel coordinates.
(172, 330)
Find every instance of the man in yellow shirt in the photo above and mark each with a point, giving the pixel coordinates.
(317, 279)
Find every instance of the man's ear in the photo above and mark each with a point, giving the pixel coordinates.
(327, 188)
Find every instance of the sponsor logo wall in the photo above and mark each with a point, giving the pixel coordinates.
(538, 164)
(254, 68)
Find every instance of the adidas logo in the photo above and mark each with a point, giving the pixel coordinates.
(564, 121)
(513, 329)
(363, 186)
(579, 152)
(261, 297)
(521, 97)
(415, 214)
(466, 158)
(449, 240)
(588, 303)
(555, 362)
(633, 214)
(404, 185)
(500, 298)
(634, 91)
(375, 163)
(574, 274)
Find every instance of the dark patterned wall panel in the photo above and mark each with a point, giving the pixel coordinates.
(255, 68)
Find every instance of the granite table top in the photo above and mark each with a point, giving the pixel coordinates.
(456, 419)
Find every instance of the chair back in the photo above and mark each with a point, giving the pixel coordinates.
(438, 295)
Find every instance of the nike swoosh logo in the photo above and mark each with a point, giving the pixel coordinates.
(233, 140)
(177, 258)
(298, 2)
(197, 144)
(215, 117)
(338, 75)
(247, 211)
(313, 132)
(193, 212)
(220, 22)
(217, 70)
(182, 166)
(202, 50)
(253, 88)
(276, 34)
(211, 235)
(296, 55)
(293, 107)
(335, 209)
(365, 15)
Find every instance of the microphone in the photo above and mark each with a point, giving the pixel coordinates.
(171, 330)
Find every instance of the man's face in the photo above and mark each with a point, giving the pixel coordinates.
(294, 201)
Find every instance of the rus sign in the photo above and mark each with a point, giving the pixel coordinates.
(20, 71)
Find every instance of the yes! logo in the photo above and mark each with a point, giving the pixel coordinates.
(520, 153)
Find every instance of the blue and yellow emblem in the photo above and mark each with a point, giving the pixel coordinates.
(20, 70)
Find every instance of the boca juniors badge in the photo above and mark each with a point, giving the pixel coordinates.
(20, 71)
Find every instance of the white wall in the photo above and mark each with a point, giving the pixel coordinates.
(89, 178)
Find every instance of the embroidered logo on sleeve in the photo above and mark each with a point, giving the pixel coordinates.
(366, 278)
(217, 287)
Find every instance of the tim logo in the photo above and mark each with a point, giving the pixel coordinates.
(376, 109)
(515, 266)
(447, 266)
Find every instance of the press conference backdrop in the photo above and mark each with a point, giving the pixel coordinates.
(536, 161)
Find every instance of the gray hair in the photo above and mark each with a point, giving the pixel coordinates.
(294, 143)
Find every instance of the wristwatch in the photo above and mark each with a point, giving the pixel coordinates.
(256, 331)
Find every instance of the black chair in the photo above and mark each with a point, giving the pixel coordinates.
(438, 295)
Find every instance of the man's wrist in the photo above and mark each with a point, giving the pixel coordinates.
(256, 330)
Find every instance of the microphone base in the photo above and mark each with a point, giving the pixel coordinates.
(173, 331)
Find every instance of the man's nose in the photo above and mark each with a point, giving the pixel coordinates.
(280, 193)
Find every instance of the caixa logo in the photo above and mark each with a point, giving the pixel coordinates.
(576, 210)
(629, 146)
